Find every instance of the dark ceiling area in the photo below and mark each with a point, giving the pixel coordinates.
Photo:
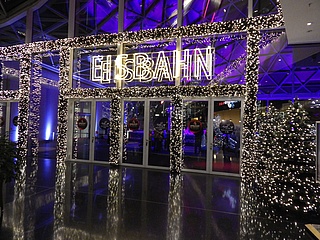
(9, 8)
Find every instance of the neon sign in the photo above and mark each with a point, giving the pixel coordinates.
(155, 66)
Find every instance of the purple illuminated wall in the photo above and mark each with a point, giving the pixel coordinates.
(48, 113)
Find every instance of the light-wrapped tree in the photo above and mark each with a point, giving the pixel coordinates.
(292, 175)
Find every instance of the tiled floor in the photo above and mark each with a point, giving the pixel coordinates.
(99, 202)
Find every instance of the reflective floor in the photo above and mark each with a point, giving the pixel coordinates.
(99, 202)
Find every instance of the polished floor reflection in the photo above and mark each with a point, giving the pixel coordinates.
(99, 202)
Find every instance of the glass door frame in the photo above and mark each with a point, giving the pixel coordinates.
(146, 126)
(209, 142)
(71, 125)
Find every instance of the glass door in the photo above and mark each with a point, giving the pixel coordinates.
(195, 121)
(226, 136)
(146, 127)
(81, 141)
(102, 131)
(133, 132)
(158, 139)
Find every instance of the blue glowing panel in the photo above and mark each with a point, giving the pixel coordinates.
(288, 71)
(48, 115)
(148, 14)
(106, 15)
(201, 11)
(96, 17)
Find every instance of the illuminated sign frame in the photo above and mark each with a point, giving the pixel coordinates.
(154, 66)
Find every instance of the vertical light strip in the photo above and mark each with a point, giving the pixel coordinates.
(75, 130)
(115, 131)
(124, 124)
(176, 160)
(76, 107)
(77, 53)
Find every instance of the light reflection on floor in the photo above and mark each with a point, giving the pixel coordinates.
(99, 202)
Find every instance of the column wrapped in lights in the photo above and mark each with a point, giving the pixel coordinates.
(115, 131)
(176, 160)
(62, 128)
(249, 114)
(23, 120)
(34, 121)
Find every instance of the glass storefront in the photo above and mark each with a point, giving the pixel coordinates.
(211, 133)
